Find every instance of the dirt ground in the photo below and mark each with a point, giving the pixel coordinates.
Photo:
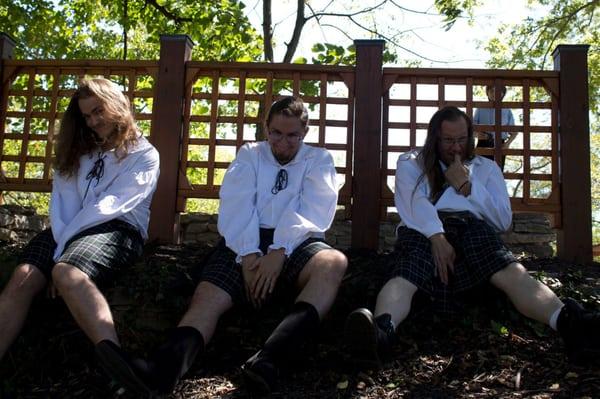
(486, 351)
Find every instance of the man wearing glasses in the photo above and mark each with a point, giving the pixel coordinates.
(277, 199)
(453, 205)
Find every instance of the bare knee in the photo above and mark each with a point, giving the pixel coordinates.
(397, 287)
(26, 281)
(511, 274)
(329, 264)
(208, 293)
(65, 276)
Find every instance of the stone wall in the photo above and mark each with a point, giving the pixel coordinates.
(19, 224)
(530, 235)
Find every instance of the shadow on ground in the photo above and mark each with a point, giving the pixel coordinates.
(487, 351)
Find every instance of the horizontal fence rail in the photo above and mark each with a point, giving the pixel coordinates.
(35, 96)
(225, 107)
(217, 107)
(411, 96)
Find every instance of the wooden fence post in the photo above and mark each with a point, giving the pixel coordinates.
(367, 144)
(167, 128)
(7, 47)
(575, 239)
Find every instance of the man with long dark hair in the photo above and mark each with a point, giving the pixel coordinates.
(105, 174)
(453, 205)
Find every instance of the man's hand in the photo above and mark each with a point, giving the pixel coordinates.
(457, 173)
(268, 269)
(249, 269)
(443, 256)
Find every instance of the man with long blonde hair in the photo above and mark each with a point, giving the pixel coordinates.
(105, 173)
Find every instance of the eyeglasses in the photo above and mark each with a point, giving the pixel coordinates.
(291, 138)
(449, 142)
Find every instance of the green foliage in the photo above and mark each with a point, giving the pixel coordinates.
(332, 54)
(94, 28)
(529, 45)
(454, 9)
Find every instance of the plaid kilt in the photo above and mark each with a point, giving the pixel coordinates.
(479, 254)
(99, 251)
(222, 270)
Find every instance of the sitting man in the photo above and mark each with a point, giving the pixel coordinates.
(453, 204)
(105, 174)
(277, 199)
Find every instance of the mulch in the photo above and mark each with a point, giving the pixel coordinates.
(487, 351)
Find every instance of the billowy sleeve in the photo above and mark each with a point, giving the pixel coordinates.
(136, 183)
(489, 197)
(413, 205)
(313, 210)
(65, 203)
(238, 217)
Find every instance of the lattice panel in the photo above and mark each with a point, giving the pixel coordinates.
(226, 107)
(35, 98)
(530, 161)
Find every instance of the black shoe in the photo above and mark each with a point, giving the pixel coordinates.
(580, 330)
(131, 374)
(260, 375)
(175, 357)
(368, 340)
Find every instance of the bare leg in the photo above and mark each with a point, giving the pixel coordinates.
(531, 298)
(15, 300)
(321, 278)
(208, 304)
(86, 303)
(395, 298)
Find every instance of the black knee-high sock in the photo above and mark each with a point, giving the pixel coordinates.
(174, 358)
(300, 325)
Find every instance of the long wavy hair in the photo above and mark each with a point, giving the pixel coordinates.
(75, 138)
(429, 157)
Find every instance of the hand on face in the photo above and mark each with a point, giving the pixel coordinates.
(457, 173)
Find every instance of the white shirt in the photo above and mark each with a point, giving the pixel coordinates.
(304, 209)
(488, 200)
(123, 192)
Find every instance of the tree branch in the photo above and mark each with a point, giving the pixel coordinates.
(335, 14)
(293, 44)
(267, 31)
(168, 14)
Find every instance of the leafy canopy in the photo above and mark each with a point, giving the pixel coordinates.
(95, 28)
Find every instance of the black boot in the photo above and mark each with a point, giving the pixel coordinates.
(132, 374)
(174, 358)
(261, 371)
(368, 340)
(580, 330)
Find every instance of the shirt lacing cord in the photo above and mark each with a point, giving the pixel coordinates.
(96, 172)
(281, 181)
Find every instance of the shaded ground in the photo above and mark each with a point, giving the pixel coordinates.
(487, 351)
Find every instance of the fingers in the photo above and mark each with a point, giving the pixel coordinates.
(443, 272)
(457, 158)
(254, 264)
